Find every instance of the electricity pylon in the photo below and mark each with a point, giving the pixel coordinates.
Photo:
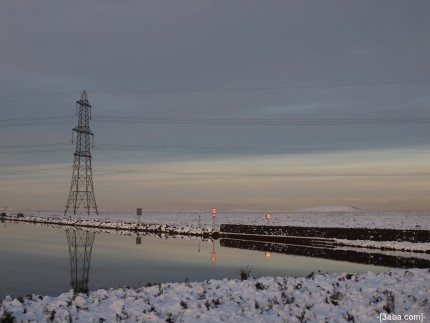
(81, 194)
(80, 248)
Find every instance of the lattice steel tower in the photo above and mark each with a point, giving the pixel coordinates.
(81, 196)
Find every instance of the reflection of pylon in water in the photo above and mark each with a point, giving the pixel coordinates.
(81, 194)
(80, 248)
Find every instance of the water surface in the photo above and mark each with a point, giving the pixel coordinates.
(42, 260)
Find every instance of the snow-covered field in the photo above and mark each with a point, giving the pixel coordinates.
(342, 297)
(334, 216)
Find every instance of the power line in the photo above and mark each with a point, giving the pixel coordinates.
(238, 150)
(222, 121)
(219, 173)
(261, 121)
(11, 96)
(35, 148)
(252, 150)
(35, 121)
(286, 87)
(269, 174)
(32, 146)
(237, 89)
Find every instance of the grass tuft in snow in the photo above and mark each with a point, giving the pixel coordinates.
(7, 317)
(245, 273)
(389, 306)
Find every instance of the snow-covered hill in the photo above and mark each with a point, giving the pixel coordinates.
(345, 209)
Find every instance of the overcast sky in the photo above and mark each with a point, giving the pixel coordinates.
(271, 105)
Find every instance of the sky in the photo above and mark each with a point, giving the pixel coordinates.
(274, 105)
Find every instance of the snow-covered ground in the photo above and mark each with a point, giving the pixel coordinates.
(334, 216)
(342, 297)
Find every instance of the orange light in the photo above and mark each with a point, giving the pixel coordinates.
(268, 254)
(213, 257)
(268, 216)
(214, 212)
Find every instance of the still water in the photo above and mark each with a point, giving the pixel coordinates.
(48, 261)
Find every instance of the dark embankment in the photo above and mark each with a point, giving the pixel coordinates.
(328, 233)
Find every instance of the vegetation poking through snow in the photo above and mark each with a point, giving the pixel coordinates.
(346, 297)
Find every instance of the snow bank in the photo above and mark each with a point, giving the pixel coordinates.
(316, 298)
(203, 218)
(108, 225)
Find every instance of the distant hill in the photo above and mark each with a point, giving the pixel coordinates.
(347, 209)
